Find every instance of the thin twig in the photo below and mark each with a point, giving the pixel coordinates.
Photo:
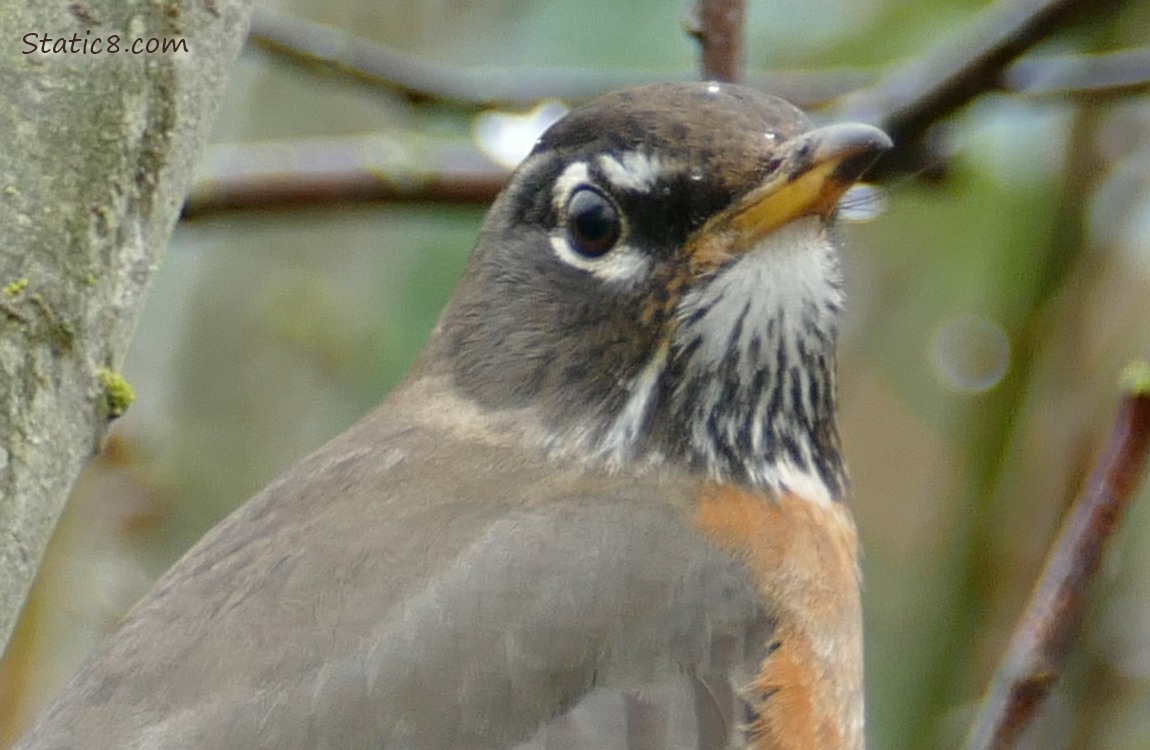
(928, 89)
(903, 103)
(419, 80)
(1115, 74)
(718, 27)
(1046, 632)
(327, 172)
(336, 52)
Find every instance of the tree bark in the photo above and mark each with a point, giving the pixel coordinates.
(102, 128)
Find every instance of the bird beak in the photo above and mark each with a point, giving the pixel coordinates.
(815, 169)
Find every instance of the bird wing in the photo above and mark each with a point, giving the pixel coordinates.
(396, 591)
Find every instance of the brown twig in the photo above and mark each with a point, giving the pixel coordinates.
(903, 102)
(718, 27)
(1046, 632)
(315, 173)
(330, 49)
(1082, 76)
(911, 99)
(337, 52)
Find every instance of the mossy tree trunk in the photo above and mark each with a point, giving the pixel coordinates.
(100, 128)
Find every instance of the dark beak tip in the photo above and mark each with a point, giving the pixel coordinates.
(866, 145)
(881, 141)
(864, 140)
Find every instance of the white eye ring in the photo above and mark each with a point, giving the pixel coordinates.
(622, 264)
(594, 223)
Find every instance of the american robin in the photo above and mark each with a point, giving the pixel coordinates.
(605, 509)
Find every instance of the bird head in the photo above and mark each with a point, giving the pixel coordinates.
(659, 282)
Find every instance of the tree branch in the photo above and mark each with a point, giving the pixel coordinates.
(237, 178)
(333, 51)
(1115, 74)
(907, 102)
(1045, 635)
(718, 27)
(321, 47)
(325, 172)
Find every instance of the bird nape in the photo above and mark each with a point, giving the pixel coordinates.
(606, 508)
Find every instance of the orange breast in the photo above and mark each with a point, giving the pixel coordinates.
(804, 559)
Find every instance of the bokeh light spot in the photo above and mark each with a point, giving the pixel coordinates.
(970, 353)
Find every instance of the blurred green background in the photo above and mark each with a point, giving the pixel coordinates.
(991, 316)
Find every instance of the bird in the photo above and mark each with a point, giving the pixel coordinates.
(606, 508)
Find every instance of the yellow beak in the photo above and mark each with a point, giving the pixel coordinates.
(814, 171)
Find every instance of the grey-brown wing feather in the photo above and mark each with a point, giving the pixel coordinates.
(385, 595)
(683, 712)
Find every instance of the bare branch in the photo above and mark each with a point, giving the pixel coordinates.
(336, 52)
(906, 102)
(237, 178)
(1046, 632)
(326, 172)
(419, 80)
(928, 89)
(1082, 76)
(718, 27)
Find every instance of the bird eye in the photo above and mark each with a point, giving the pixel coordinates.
(593, 224)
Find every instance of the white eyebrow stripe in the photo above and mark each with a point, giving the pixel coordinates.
(574, 176)
(634, 170)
